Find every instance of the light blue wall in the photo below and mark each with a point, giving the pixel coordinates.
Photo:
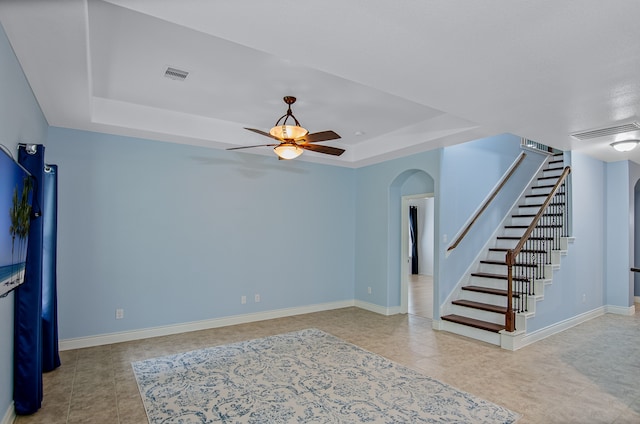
(175, 234)
(634, 187)
(618, 237)
(21, 120)
(470, 172)
(378, 206)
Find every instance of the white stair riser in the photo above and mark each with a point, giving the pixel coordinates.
(521, 221)
(513, 232)
(508, 244)
(491, 299)
(540, 190)
(493, 269)
(527, 210)
(534, 200)
(496, 256)
(477, 314)
(491, 283)
(552, 172)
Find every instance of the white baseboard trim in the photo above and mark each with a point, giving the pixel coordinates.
(382, 310)
(10, 415)
(559, 327)
(126, 336)
(621, 310)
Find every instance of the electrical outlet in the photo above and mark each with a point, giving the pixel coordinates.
(257, 298)
(119, 313)
(243, 300)
(369, 290)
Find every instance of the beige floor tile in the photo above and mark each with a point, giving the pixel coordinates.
(587, 374)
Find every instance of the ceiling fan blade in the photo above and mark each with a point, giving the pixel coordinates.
(319, 136)
(322, 149)
(249, 147)
(266, 134)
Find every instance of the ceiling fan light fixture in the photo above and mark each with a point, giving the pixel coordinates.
(288, 132)
(625, 145)
(288, 151)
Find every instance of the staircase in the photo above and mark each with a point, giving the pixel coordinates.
(480, 306)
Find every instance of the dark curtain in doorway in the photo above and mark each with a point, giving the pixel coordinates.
(413, 230)
(35, 323)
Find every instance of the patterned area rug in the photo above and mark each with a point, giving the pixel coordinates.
(303, 377)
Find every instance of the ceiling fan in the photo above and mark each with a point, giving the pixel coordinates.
(293, 140)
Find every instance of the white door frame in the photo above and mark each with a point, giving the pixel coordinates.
(404, 249)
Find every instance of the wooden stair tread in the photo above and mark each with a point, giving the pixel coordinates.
(489, 262)
(537, 226)
(497, 276)
(549, 178)
(476, 323)
(488, 290)
(482, 306)
(504, 249)
(518, 238)
(532, 215)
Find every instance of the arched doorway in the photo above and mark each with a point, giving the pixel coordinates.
(412, 183)
(419, 240)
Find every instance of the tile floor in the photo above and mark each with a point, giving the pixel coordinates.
(421, 295)
(588, 374)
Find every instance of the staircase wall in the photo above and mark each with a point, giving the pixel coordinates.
(468, 177)
(578, 286)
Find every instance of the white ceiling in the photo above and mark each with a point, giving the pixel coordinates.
(392, 78)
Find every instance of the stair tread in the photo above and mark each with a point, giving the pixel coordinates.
(551, 177)
(475, 323)
(519, 237)
(488, 290)
(541, 226)
(489, 262)
(537, 205)
(482, 306)
(504, 249)
(532, 215)
(497, 276)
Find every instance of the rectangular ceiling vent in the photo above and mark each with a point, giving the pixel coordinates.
(602, 132)
(176, 74)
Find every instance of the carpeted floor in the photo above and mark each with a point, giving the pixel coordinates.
(303, 376)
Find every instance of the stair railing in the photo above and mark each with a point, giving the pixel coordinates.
(539, 239)
(489, 199)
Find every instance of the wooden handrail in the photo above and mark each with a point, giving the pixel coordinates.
(495, 192)
(511, 255)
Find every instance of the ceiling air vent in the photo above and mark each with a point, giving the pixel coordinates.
(619, 129)
(176, 74)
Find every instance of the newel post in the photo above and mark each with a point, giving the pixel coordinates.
(509, 320)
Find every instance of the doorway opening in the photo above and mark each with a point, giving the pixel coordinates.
(418, 214)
